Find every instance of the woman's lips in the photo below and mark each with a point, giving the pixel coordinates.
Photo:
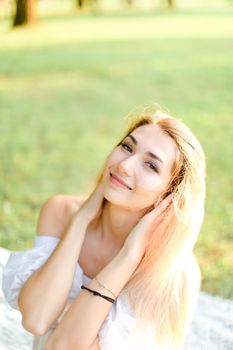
(114, 179)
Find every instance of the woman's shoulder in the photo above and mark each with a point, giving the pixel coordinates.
(56, 213)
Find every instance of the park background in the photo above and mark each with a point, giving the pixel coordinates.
(68, 82)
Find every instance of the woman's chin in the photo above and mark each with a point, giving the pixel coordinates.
(120, 203)
(112, 197)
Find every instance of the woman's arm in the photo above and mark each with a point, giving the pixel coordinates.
(44, 295)
(80, 326)
(95, 344)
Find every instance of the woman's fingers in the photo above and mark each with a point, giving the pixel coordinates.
(92, 207)
(139, 237)
(161, 208)
(164, 204)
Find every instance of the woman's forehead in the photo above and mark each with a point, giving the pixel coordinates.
(153, 129)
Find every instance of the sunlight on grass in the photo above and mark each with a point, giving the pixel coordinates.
(102, 29)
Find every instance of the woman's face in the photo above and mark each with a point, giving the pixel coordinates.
(144, 162)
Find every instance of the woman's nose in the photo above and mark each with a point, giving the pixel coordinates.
(125, 167)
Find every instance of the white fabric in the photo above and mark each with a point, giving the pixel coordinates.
(117, 330)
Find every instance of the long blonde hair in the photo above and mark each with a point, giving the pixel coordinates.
(163, 289)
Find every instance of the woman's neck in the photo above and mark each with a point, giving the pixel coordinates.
(116, 223)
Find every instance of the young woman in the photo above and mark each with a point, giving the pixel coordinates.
(116, 270)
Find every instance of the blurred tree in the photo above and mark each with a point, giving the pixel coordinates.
(83, 3)
(25, 12)
(171, 3)
(130, 2)
(80, 3)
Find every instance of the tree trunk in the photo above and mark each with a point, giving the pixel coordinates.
(171, 3)
(25, 12)
(80, 3)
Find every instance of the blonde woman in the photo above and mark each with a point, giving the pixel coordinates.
(116, 270)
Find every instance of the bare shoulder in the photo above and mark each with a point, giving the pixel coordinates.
(56, 213)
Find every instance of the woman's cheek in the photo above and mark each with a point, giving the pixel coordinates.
(149, 191)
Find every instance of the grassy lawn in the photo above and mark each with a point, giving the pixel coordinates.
(66, 86)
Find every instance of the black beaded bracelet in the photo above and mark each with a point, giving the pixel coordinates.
(94, 292)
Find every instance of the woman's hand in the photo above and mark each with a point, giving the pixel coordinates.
(92, 206)
(137, 240)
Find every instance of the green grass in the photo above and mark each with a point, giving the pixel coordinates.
(65, 88)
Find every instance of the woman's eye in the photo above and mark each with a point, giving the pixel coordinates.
(126, 146)
(152, 166)
(129, 149)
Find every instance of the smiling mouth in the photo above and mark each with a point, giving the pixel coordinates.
(118, 182)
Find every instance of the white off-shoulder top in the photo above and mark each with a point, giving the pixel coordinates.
(116, 331)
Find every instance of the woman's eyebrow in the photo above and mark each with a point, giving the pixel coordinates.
(152, 155)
